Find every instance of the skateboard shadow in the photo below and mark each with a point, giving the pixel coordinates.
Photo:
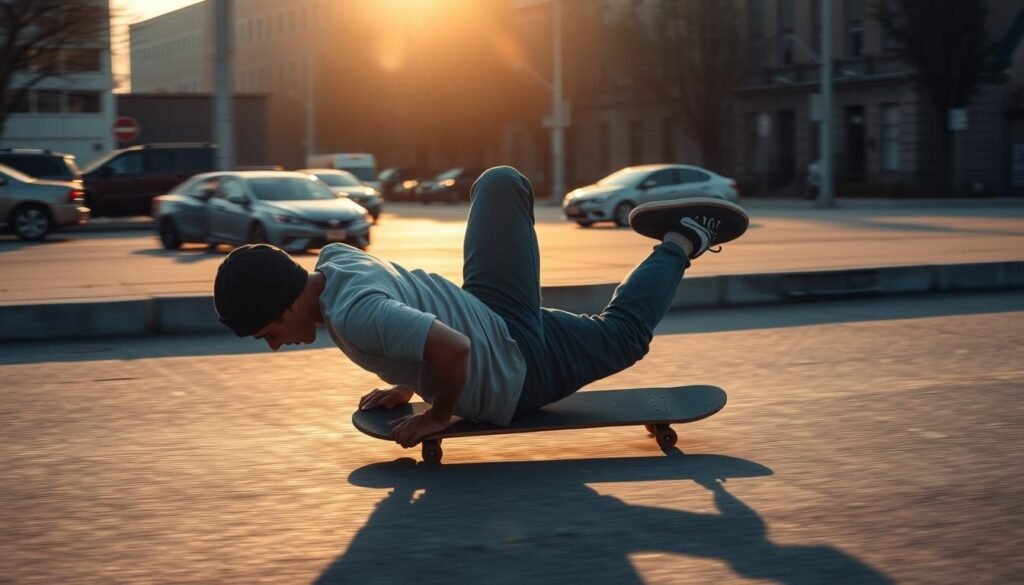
(540, 522)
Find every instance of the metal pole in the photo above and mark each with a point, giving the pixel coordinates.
(310, 102)
(557, 109)
(223, 114)
(826, 194)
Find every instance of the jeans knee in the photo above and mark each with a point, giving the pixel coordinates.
(502, 179)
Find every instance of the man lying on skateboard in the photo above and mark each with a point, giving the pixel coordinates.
(486, 351)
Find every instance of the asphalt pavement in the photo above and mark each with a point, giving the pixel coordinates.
(867, 441)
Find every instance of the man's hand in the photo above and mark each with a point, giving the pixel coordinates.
(410, 430)
(390, 398)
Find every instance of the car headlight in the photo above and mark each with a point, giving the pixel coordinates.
(290, 219)
(410, 184)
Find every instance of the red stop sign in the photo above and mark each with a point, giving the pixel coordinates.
(126, 129)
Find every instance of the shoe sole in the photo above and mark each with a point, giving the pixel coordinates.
(733, 220)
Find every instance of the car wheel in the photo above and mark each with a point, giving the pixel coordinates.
(169, 236)
(257, 234)
(31, 222)
(622, 213)
(585, 223)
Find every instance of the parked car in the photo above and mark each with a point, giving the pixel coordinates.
(41, 163)
(361, 164)
(125, 181)
(32, 208)
(399, 183)
(613, 197)
(453, 185)
(291, 210)
(345, 184)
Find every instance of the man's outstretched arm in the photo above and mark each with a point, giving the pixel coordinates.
(446, 353)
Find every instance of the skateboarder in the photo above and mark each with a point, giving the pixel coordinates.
(486, 351)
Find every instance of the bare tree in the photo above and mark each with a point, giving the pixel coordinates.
(688, 54)
(38, 42)
(947, 43)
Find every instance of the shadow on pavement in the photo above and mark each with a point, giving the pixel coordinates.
(541, 522)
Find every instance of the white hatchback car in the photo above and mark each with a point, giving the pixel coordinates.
(613, 197)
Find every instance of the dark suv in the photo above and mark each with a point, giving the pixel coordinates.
(125, 181)
(41, 164)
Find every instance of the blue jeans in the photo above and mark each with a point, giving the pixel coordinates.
(563, 351)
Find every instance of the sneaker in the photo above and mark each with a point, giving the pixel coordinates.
(705, 221)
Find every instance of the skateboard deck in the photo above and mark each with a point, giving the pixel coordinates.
(654, 408)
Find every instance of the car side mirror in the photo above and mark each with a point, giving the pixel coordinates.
(648, 184)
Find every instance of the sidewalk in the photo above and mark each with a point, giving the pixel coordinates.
(93, 285)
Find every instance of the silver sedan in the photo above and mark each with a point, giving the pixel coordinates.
(32, 208)
(293, 211)
(613, 197)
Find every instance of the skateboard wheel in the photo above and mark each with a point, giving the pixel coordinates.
(432, 451)
(666, 436)
(652, 429)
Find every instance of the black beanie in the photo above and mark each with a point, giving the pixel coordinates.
(256, 284)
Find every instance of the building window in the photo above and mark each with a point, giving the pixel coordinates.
(890, 137)
(755, 33)
(48, 101)
(816, 26)
(636, 142)
(854, 28)
(81, 60)
(21, 106)
(785, 21)
(84, 102)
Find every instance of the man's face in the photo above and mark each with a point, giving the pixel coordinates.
(290, 328)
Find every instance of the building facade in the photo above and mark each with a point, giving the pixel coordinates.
(883, 131)
(72, 111)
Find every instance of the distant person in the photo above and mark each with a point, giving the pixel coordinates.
(486, 351)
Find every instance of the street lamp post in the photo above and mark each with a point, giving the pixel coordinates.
(558, 121)
(826, 194)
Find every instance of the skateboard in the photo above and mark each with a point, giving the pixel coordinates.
(654, 408)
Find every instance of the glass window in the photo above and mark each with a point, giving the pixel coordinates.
(230, 187)
(129, 163)
(81, 59)
(84, 102)
(48, 101)
(662, 178)
(361, 173)
(855, 28)
(339, 179)
(890, 137)
(42, 167)
(285, 188)
(19, 107)
(160, 161)
(691, 176)
(628, 177)
(195, 160)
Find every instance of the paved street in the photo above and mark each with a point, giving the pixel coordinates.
(864, 441)
(101, 265)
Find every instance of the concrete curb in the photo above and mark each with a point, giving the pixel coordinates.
(185, 314)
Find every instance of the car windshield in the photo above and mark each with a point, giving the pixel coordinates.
(339, 179)
(449, 174)
(289, 189)
(362, 173)
(624, 178)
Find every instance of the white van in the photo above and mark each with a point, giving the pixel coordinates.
(362, 165)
